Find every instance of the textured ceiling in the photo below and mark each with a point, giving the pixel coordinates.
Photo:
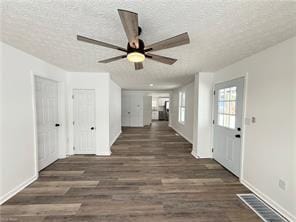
(221, 32)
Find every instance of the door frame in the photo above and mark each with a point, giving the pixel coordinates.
(72, 112)
(61, 118)
(245, 78)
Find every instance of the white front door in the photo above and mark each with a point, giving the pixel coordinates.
(46, 97)
(84, 121)
(228, 111)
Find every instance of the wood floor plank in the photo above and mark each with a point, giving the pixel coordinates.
(77, 183)
(44, 191)
(40, 209)
(150, 176)
(61, 173)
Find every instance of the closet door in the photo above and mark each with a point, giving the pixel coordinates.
(126, 110)
(136, 107)
(84, 121)
(46, 97)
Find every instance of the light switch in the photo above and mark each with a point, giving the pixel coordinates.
(253, 119)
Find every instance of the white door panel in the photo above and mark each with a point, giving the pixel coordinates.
(84, 121)
(126, 112)
(46, 93)
(132, 110)
(136, 110)
(228, 110)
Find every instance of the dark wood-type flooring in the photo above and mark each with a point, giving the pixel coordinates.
(150, 177)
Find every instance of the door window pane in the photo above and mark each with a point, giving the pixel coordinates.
(232, 107)
(227, 94)
(233, 93)
(226, 107)
(221, 95)
(220, 107)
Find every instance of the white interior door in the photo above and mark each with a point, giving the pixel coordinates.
(84, 121)
(228, 111)
(126, 110)
(46, 94)
(136, 107)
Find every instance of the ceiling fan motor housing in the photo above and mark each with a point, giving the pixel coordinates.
(140, 49)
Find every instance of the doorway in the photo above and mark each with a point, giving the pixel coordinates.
(47, 119)
(160, 107)
(228, 116)
(84, 123)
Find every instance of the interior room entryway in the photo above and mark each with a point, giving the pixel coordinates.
(46, 99)
(84, 107)
(228, 114)
(160, 107)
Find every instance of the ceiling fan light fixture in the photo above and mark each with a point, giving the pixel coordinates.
(135, 57)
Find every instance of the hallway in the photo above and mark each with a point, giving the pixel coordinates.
(150, 176)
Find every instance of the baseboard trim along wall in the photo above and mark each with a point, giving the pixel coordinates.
(115, 138)
(17, 189)
(194, 154)
(104, 153)
(269, 201)
(185, 137)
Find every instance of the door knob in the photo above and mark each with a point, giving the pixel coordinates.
(237, 136)
(57, 125)
(92, 128)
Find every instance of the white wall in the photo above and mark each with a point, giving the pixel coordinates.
(294, 160)
(269, 144)
(186, 129)
(99, 82)
(1, 124)
(202, 129)
(115, 112)
(18, 144)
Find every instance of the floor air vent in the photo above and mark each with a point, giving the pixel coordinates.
(265, 212)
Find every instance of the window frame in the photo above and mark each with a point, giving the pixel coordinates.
(182, 107)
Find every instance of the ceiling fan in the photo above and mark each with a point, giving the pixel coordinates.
(136, 50)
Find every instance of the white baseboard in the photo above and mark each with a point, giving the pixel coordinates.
(193, 153)
(108, 153)
(115, 138)
(269, 201)
(185, 137)
(17, 189)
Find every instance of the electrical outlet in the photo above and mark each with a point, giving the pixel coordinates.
(282, 184)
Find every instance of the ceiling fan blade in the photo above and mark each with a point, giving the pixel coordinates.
(96, 42)
(162, 59)
(178, 40)
(112, 59)
(138, 65)
(129, 21)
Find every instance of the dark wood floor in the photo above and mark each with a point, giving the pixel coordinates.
(150, 177)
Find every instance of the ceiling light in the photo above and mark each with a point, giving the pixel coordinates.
(150, 84)
(135, 57)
